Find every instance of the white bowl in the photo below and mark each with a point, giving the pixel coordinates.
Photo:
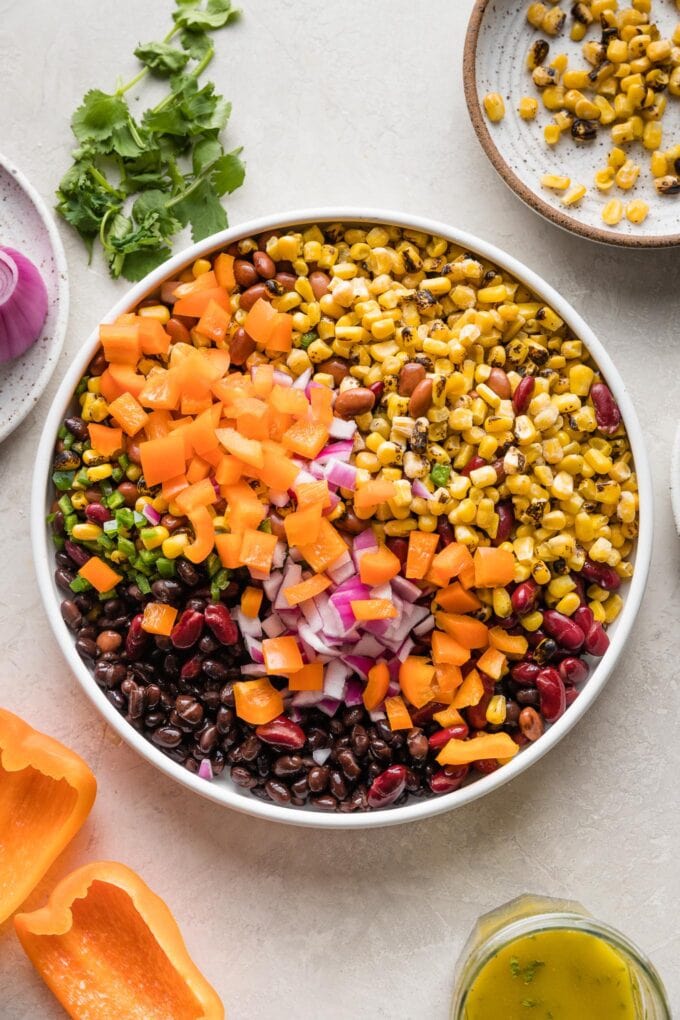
(222, 791)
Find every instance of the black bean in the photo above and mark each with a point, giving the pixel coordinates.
(338, 784)
(287, 765)
(360, 741)
(86, 648)
(215, 670)
(417, 744)
(208, 644)
(348, 763)
(187, 573)
(528, 696)
(71, 614)
(242, 777)
(277, 791)
(318, 778)
(300, 788)
(224, 719)
(379, 750)
(324, 803)
(63, 578)
(227, 695)
(77, 427)
(207, 739)
(109, 674)
(167, 737)
(166, 590)
(189, 710)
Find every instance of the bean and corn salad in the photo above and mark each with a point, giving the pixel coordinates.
(623, 85)
(486, 496)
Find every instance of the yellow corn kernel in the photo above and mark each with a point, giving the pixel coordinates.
(604, 179)
(160, 313)
(555, 182)
(86, 532)
(612, 608)
(622, 133)
(200, 267)
(174, 546)
(552, 134)
(658, 52)
(575, 195)
(578, 31)
(532, 621)
(652, 135)
(569, 604)
(612, 214)
(93, 408)
(400, 529)
(496, 710)
(79, 500)
(659, 164)
(616, 158)
(627, 176)
(637, 211)
(99, 473)
(528, 108)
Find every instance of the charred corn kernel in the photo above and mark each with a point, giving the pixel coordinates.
(93, 408)
(553, 21)
(86, 532)
(552, 134)
(496, 710)
(79, 500)
(555, 182)
(612, 214)
(99, 473)
(576, 80)
(532, 621)
(400, 529)
(528, 108)
(569, 604)
(604, 179)
(637, 211)
(575, 195)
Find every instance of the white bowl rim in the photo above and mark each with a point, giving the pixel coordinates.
(224, 794)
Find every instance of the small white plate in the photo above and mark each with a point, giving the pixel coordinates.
(498, 40)
(675, 480)
(27, 225)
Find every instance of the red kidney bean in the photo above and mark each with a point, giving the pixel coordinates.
(597, 641)
(472, 465)
(551, 692)
(399, 546)
(476, 714)
(571, 695)
(573, 671)
(188, 629)
(564, 630)
(245, 273)
(579, 588)
(449, 779)
(191, 668)
(600, 573)
(135, 639)
(241, 346)
(607, 414)
(530, 724)
(387, 787)
(97, 512)
(507, 623)
(485, 766)
(178, 331)
(499, 383)
(221, 624)
(522, 395)
(499, 467)
(442, 737)
(445, 531)
(320, 283)
(76, 553)
(583, 618)
(525, 673)
(264, 265)
(168, 291)
(287, 280)
(378, 388)
(524, 597)
(253, 294)
(506, 520)
(282, 732)
(423, 716)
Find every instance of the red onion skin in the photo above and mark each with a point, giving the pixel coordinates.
(23, 304)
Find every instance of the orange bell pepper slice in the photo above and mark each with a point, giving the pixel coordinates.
(451, 561)
(494, 568)
(259, 321)
(247, 450)
(374, 493)
(515, 646)
(251, 600)
(194, 305)
(214, 322)
(449, 717)
(224, 271)
(229, 550)
(302, 526)
(199, 494)
(162, 459)
(100, 575)
(105, 440)
(297, 593)
(467, 631)
(375, 568)
(306, 438)
(455, 599)
(204, 532)
(327, 548)
(46, 793)
(421, 549)
(470, 692)
(257, 550)
(445, 649)
(397, 714)
(281, 337)
(257, 701)
(281, 655)
(309, 678)
(152, 337)
(377, 686)
(313, 492)
(373, 609)
(493, 663)
(159, 618)
(416, 676)
(106, 945)
(120, 343)
(487, 745)
(128, 413)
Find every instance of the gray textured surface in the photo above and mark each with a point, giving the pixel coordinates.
(355, 103)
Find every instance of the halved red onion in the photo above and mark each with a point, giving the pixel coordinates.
(23, 304)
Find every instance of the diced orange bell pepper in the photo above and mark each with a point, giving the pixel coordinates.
(160, 391)
(257, 701)
(46, 793)
(289, 401)
(321, 399)
(326, 550)
(302, 526)
(455, 599)
(467, 631)
(158, 425)
(374, 493)
(373, 609)
(229, 470)
(195, 305)
(128, 413)
(376, 568)
(162, 459)
(205, 281)
(470, 692)
(106, 945)
(281, 655)
(245, 509)
(445, 649)
(313, 492)
(449, 717)
(281, 336)
(229, 550)
(224, 271)
(251, 600)
(494, 568)
(100, 574)
(487, 745)
(126, 380)
(204, 532)
(421, 550)
(214, 322)
(263, 380)
(159, 618)
(105, 440)
(199, 494)
(447, 680)
(452, 560)
(259, 321)
(197, 470)
(247, 450)
(306, 438)
(257, 550)
(170, 488)
(397, 714)
(278, 472)
(120, 343)
(415, 679)
(309, 678)
(152, 337)
(309, 589)
(377, 686)
(493, 663)
(515, 646)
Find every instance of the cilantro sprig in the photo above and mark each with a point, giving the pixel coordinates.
(136, 182)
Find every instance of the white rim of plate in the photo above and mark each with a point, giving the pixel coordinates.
(223, 793)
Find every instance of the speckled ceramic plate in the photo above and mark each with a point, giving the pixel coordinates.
(498, 40)
(26, 224)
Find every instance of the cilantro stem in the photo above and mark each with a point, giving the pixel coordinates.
(122, 89)
(100, 179)
(176, 199)
(197, 71)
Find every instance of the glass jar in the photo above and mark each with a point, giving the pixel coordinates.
(531, 915)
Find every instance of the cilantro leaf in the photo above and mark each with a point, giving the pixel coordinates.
(98, 116)
(161, 58)
(196, 43)
(205, 153)
(84, 201)
(216, 14)
(203, 210)
(137, 264)
(126, 140)
(229, 173)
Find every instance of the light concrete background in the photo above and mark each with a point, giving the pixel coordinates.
(354, 103)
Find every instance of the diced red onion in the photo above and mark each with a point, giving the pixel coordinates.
(333, 499)
(381, 591)
(272, 585)
(294, 554)
(311, 615)
(294, 714)
(254, 648)
(317, 471)
(279, 499)
(341, 429)
(335, 679)
(321, 755)
(376, 715)
(292, 575)
(342, 570)
(328, 706)
(420, 490)
(307, 699)
(360, 664)
(406, 649)
(364, 542)
(338, 451)
(354, 692)
(369, 646)
(302, 380)
(408, 591)
(282, 379)
(315, 641)
(152, 516)
(424, 627)
(273, 626)
(255, 669)
(205, 769)
(279, 556)
(341, 474)
(393, 688)
(250, 626)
